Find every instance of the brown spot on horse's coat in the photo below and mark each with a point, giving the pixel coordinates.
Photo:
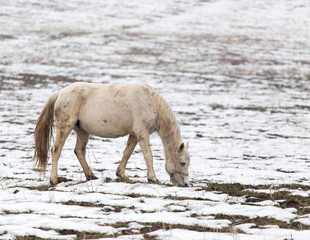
(63, 120)
(61, 134)
(57, 110)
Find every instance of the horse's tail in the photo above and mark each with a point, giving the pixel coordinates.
(43, 133)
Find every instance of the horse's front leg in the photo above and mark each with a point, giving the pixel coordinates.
(61, 136)
(131, 144)
(144, 142)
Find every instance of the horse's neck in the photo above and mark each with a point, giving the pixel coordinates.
(168, 129)
(171, 138)
(171, 145)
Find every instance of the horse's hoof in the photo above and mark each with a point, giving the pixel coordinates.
(123, 179)
(154, 181)
(120, 173)
(92, 177)
(53, 184)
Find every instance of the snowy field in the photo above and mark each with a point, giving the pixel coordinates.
(237, 76)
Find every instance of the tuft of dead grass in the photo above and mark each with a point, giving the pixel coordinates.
(284, 198)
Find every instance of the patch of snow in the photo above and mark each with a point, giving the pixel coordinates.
(235, 73)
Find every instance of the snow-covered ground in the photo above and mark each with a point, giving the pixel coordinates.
(236, 74)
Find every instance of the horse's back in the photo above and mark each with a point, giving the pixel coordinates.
(110, 110)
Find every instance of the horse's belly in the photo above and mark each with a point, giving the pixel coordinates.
(106, 131)
(108, 124)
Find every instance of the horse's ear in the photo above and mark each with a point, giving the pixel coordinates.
(186, 145)
(181, 147)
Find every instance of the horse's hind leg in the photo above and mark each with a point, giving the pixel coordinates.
(80, 151)
(131, 144)
(61, 136)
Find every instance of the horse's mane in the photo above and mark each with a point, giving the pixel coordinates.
(168, 124)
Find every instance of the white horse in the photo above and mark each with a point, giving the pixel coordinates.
(111, 111)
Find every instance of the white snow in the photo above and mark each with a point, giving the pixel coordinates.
(236, 74)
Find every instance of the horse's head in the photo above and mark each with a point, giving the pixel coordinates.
(178, 169)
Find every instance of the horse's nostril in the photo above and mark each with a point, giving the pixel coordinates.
(186, 185)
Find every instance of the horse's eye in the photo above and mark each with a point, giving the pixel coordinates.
(182, 163)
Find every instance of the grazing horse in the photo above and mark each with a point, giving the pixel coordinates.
(111, 111)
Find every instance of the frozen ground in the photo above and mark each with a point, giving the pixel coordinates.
(236, 74)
